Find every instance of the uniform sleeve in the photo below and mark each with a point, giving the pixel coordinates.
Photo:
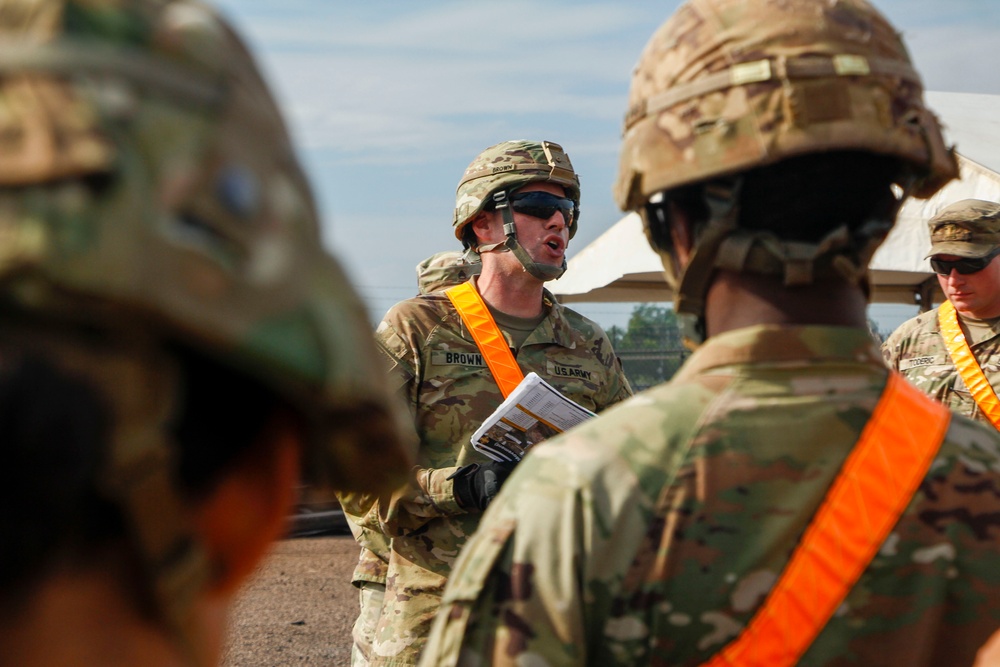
(915, 337)
(620, 389)
(890, 351)
(429, 493)
(617, 386)
(515, 596)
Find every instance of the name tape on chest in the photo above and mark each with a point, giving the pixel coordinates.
(920, 362)
(449, 358)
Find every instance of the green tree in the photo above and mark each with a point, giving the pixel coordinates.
(650, 348)
(616, 333)
(651, 327)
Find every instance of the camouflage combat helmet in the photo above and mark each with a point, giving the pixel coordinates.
(445, 269)
(149, 191)
(725, 86)
(497, 173)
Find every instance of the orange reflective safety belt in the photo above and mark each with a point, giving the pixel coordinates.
(485, 332)
(873, 488)
(965, 362)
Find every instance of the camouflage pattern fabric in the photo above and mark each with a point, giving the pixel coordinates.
(967, 228)
(650, 536)
(369, 578)
(132, 197)
(370, 598)
(918, 351)
(728, 85)
(136, 216)
(444, 378)
(445, 269)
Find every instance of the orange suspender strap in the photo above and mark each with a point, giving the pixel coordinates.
(876, 483)
(966, 363)
(488, 338)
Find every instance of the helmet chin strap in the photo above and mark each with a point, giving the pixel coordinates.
(842, 255)
(543, 272)
(722, 199)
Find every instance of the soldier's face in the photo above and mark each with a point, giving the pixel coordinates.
(976, 295)
(545, 239)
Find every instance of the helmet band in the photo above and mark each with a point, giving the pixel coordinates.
(777, 69)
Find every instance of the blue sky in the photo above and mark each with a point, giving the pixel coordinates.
(389, 101)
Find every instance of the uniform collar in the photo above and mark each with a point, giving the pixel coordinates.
(554, 329)
(770, 344)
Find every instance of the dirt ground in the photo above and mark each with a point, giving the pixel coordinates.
(299, 608)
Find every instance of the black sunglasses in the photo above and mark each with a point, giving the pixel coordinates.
(965, 266)
(543, 205)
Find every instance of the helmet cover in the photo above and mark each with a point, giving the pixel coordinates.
(727, 85)
(967, 228)
(131, 197)
(508, 166)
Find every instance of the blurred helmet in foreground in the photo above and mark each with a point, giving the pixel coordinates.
(149, 195)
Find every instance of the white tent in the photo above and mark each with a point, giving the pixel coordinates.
(620, 266)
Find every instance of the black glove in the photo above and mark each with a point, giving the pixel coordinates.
(479, 483)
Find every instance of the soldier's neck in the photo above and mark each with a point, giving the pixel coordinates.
(737, 300)
(513, 292)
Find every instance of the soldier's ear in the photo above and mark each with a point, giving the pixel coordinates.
(248, 510)
(487, 227)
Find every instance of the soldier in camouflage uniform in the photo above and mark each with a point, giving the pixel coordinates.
(437, 272)
(444, 378)
(174, 344)
(965, 230)
(762, 148)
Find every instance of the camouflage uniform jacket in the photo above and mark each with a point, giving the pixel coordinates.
(651, 535)
(917, 350)
(450, 390)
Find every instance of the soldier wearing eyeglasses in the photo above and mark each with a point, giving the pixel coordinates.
(952, 353)
(517, 207)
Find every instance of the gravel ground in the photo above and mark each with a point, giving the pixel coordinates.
(299, 607)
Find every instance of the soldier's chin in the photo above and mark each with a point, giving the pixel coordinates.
(551, 271)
